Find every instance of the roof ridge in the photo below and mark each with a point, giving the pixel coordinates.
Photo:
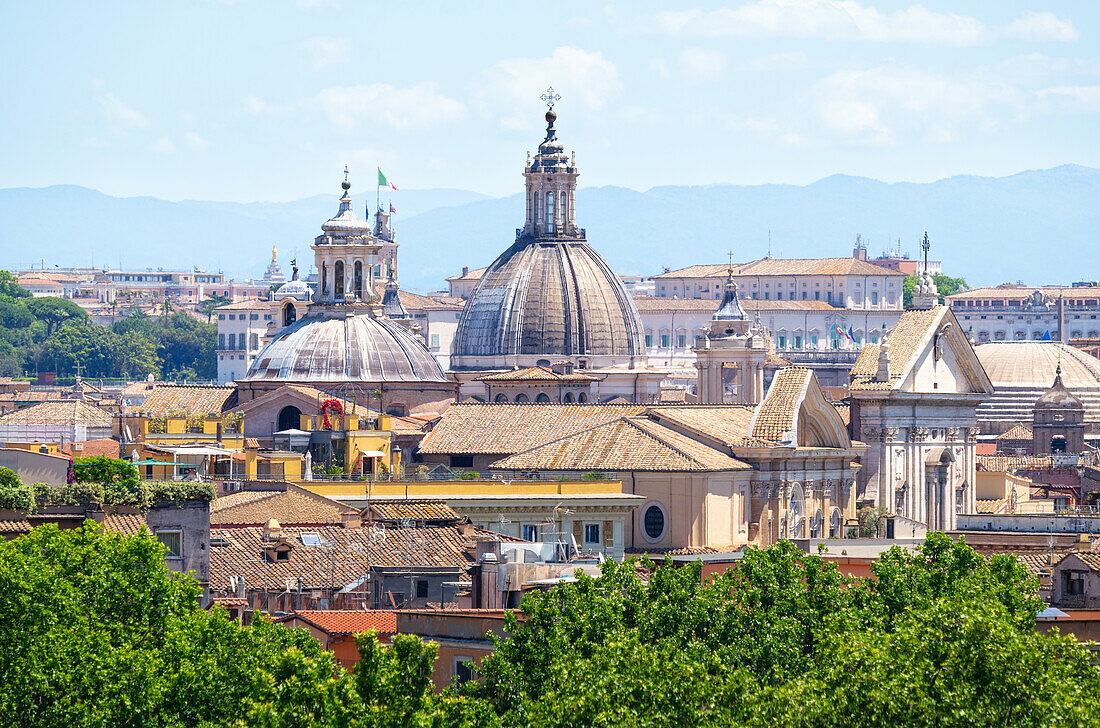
(673, 446)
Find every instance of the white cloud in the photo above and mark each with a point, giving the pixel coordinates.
(121, 119)
(402, 108)
(791, 61)
(255, 105)
(511, 87)
(886, 105)
(659, 66)
(195, 142)
(323, 50)
(844, 20)
(700, 66)
(1086, 98)
(164, 145)
(1044, 26)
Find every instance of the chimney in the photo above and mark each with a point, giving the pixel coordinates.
(465, 269)
(882, 374)
(1084, 544)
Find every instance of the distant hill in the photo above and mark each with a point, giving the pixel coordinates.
(1039, 226)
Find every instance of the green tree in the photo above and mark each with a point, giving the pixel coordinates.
(945, 286)
(211, 302)
(55, 312)
(119, 478)
(9, 286)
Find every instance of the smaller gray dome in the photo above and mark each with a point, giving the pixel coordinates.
(296, 289)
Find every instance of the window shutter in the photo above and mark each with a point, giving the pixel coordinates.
(608, 534)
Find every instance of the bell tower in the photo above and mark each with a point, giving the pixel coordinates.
(733, 354)
(346, 254)
(551, 185)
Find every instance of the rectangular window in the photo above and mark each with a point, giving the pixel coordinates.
(592, 533)
(464, 671)
(255, 342)
(782, 342)
(664, 341)
(232, 341)
(421, 588)
(221, 341)
(173, 543)
(254, 317)
(813, 341)
(681, 340)
(462, 461)
(232, 317)
(874, 298)
(648, 340)
(798, 342)
(267, 317)
(529, 532)
(221, 317)
(435, 341)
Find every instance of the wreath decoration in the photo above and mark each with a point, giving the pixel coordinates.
(333, 404)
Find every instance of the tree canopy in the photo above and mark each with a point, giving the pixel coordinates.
(945, 286)
(97, 632)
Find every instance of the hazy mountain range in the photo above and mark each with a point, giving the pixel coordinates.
(1039, 226)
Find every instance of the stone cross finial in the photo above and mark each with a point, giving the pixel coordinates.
(550, 97)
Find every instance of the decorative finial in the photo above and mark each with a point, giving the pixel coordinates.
(550, 97)
(345, 184)
(730, 269)
(925, 245)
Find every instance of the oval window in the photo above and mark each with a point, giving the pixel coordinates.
(654, 522)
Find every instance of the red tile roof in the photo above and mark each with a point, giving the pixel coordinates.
(348, 621)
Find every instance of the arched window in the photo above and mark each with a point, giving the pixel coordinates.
(582, 397)
(338, 278)
(290, 314)
(359, 280)
(834, 523)
(816, 524)
(396, 410)
(543, 397)
(522, 398)
(569, 398)
(324, 279)
(564, 211)
(550, 212)
(289, 418)
(502, 397)
(1058, 443)
(796, 509)
(542, 363)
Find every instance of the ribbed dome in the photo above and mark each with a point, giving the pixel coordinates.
(296, 289)
(361, 348)
(542, 298)
(346, 221)
(1034, 364)
(1023, 371)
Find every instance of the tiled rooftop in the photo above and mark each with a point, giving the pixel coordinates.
(504, 429)
(661, 304)
(172, 399)
(295, 506)
(1017, 432)
(436, 511)
(775, 417)
(64, 412)
(343, 557)
(786, 267)
(536, 374)
(629, 443)
(340, 622)
(903, 341)
(729, 424)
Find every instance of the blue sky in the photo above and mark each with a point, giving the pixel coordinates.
(267, 99)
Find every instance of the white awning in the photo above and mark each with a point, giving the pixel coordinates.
(373, 454)
(203, 451)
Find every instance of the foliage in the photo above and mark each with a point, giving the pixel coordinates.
(939, 637)
(119, 479)
(211, 302)
(595, 475)
(98, 632)
(9, 286)
(14, 495)
(55, 311)
(100, 480)
(871, 521)
(945, 286)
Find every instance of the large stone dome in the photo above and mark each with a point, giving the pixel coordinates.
(1023, 371)
(331, 348)
(546, 299)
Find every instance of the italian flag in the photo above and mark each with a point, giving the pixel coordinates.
(383, 182)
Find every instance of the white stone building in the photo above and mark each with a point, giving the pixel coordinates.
(241, 330)
(914, 401)
(1015, 312)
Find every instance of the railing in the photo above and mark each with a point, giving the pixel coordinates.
(1070, 601)
(830, 356)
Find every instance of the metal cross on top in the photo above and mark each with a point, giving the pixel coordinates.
(925, 245)
(345, 173)
(550, 97)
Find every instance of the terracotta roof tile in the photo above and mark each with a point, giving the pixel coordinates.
(343, 557)
(295, 506)
(729, 424)
(775, 417)
(536, 374)
(397, 511)
(1017, 432)
(504, 429)
(903, 341)
(629, 443)
(166, 399)
(1009, 463)
(472, 275)
(661, 304)
(93, 448)
(65, 412)
(340, 622)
